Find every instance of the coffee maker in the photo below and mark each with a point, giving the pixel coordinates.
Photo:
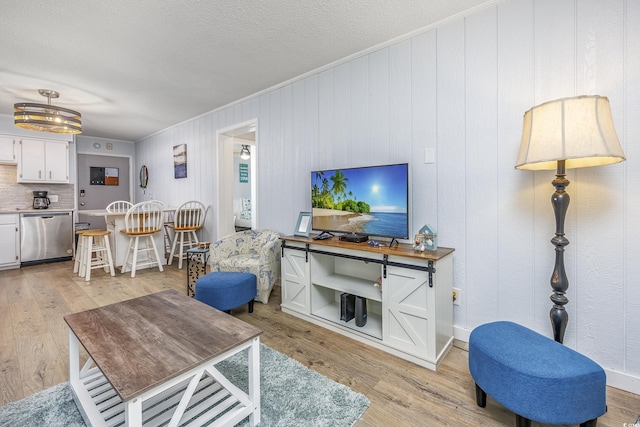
(40, 200)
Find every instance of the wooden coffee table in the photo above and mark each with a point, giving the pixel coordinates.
(151, 359)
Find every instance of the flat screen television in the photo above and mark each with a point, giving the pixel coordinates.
(370, 201)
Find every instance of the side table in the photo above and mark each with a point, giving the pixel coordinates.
(197, 260)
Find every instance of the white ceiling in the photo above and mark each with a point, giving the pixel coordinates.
(133, 68)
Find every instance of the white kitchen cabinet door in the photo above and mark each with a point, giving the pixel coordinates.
(56, 157)
(43, 161)
(7, 150)
(9, 236)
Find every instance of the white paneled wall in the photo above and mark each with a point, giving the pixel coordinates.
(461, 89)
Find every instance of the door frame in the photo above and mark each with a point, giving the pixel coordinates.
(225, 141)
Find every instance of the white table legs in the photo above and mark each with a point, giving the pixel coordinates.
(100, 405)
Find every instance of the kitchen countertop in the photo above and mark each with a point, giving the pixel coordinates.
(31, 210)
(103, 212)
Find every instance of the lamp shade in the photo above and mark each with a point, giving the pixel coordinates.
(578, 130)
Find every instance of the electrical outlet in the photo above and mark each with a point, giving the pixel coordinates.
(457, 296)
(53, 199)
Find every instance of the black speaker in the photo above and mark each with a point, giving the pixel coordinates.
(361, 311)
(347, 306)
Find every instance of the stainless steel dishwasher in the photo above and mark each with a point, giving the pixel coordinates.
(45, 237)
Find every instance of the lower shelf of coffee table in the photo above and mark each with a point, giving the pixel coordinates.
(210, 401)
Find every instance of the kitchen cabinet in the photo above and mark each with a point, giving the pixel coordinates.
(7, 150)
(41, 160)
(10, 238)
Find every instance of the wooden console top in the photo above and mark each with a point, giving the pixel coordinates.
(401, 249)
(142, 342)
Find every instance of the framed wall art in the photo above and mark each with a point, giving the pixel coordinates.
(180, 161)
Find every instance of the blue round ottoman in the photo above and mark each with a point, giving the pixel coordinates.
(225, 290)
(535, 377)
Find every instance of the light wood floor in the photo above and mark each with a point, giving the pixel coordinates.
(34, 354)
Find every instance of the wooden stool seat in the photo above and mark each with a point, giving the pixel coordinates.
(94, 242)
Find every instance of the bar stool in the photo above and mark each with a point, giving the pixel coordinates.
(188, 219)
(142, 220)
(95, 241)
(79, 252)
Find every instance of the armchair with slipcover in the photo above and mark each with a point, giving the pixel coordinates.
(250, 251)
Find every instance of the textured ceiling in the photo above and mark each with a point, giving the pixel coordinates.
(133, 68)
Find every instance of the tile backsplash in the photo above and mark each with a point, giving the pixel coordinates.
(15, 195)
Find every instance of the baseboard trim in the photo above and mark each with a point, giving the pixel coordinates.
(615, 379)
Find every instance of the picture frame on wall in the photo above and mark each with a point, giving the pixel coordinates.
(180, 161)
(303, 227)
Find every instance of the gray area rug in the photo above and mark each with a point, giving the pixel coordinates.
(291, 395)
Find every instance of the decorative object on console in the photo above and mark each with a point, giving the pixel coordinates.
(250, 251)
(47, 117)
(565, 134)
(303, 227)
(430, 237)
(418, 243)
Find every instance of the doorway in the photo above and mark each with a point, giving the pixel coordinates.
(230, 141)
(101, 180)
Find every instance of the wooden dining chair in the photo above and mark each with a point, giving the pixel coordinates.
(119, 206)
(143, 220)
(187, 220)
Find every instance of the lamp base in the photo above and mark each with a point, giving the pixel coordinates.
(559, 282)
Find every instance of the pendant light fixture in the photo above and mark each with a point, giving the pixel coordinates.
(47, 117)
(245, 153)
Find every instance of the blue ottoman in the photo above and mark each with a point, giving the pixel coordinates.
(535, 377)
(225, 290)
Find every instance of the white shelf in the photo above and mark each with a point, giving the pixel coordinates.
(352, 285)
(209, 401)
(373, 327)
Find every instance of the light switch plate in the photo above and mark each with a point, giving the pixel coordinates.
(429, 155)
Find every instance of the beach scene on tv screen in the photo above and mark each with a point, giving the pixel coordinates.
(369, 200)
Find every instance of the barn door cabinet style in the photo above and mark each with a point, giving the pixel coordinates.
(408, 294)
(41, 160)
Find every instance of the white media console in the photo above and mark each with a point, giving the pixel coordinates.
(409, 315)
